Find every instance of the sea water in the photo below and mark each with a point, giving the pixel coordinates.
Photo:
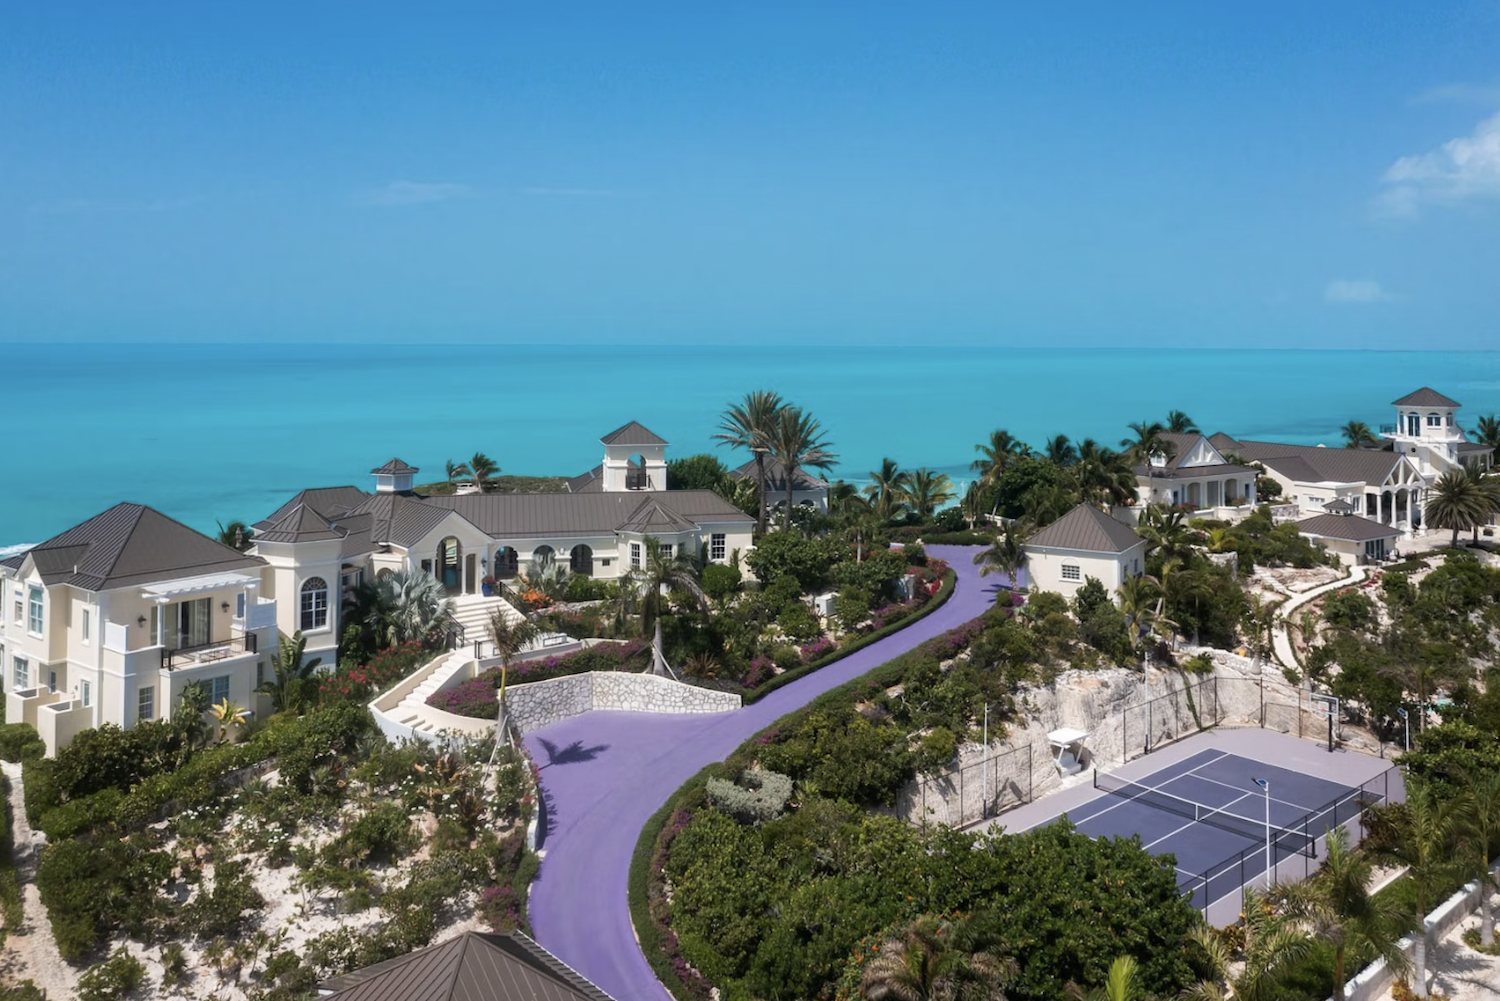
(218, 432)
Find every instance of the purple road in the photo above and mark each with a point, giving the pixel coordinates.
(605, 773)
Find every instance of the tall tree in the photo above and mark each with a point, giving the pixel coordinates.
(1420, 835)
(457, 471)
(1357, 434)
(289, 674)
(1479, 827)
(799, 442)
(1456, 502)
(926, 491)
(996, 454)
(749, 424)
(1149, 446)
(236, 535)
(1274, 945)
(935, 959)
(662, 575)
(1488, 431)
(888, 486)
(1007, 555)
(1105, 477)
(1060, 451)
(1180, 423)
(1488, 487)
(1337, 904)
(483, 469)
(510, 634)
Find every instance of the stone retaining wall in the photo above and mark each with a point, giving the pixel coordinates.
(539, 703)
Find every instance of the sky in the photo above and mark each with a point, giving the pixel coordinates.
(1286, 174)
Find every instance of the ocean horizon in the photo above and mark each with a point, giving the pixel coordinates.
(225, 431)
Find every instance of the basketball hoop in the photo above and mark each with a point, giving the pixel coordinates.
(1326, 707)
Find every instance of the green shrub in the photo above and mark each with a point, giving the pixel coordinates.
(40, 789)
(759, 796)
(10, 890)
(113, 979)
(721, 582)
(220, 910)
(20, 742)
(851, 608)
(382, 834)
(799, 623)
(107, 757)
(26, 990)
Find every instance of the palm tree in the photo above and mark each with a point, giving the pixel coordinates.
(660, 576)
(236, 535)
(1488, 487)
(483, 469)
(1456, 502)
(799, 442)
(1488, 431)
(402, 606)
(926, 491)
(1165, 531)
(1479, 824)
(1419, 834)
(1105, 478)
(510, 634)
(888, 485)
(1274, 945)
(1060, 451)
(1138, 597)
(933, 959)
(1180, 423)
(748, 424)
(289, 674)
(1122, 983)
(457, 471)
(228, 716)
(973, 503)
(1007, 555)
(1357, 434)
(1337, 904)
(1149, 444)
(996, 454)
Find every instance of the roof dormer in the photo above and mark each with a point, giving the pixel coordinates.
(395, 477)
(635, 458)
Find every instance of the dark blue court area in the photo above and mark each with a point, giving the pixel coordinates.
(1209, 812)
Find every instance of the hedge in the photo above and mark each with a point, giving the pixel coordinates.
(20, 742)
(950, 581)
(10, 889)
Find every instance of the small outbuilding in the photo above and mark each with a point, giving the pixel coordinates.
(1081, 544)
(1353, 539)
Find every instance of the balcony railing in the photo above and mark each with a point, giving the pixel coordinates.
(1389, 428)
(207, 653)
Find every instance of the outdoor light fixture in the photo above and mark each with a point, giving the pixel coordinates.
(140, 620)
(1406, 721)
(1266, 785)
(223, 606)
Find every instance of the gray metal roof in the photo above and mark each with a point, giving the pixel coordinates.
(776, 477)
(650, 516)
(301, 524)
(1474, 447)
(1348, 527)
(529, 516)
(633, 433)
(394, 467)
(330, 502)
(589, 482)
(1338, 507)
(1425, 397)
(475, 966)
(130, 545)
(1087, 529)
(1319, 465)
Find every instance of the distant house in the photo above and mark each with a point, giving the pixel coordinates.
(1427, 431)
(808, 490)
(1081, 544)
(1198, 476)
(109, 621)
(472, 967)
(1353, 539)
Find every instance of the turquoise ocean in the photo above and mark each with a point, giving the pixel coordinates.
(230, 431)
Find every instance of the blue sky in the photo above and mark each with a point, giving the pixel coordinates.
(1290, 174)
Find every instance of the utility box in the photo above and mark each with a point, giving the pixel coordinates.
(823, 603)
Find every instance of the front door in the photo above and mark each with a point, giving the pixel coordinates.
(469, 574)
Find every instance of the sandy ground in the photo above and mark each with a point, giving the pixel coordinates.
(1459, 972)
(31, 954)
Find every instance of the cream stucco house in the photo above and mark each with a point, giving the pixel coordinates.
(1196, 475)
(109, 621)
(1355, 540)
(808, 490)
(1081, 544)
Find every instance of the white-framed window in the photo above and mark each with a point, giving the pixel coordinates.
(218, 689)
(605, 562)
(34, 617)
(20, 674)
(666, 550)
(260, 673)
(86, 693)
(20, 612)
(239, 605)
(1434, 420)
(635, 555)
(716, 547)
(83, 627)
(314, 603)
(145, 707)
(1072, 571)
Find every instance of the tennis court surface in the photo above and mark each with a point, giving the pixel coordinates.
(1209, 811)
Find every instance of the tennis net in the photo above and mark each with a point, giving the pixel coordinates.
(1286, 839)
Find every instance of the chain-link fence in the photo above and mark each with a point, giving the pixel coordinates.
(974, 792)
(1177, 712)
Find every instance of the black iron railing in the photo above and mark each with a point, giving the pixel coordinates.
(207, 653)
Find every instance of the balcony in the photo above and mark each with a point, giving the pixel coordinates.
(1389, 428)
(208, 653)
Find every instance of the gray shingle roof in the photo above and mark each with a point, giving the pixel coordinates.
(394, 467)
(1425, 397)
(1086, 529)
(400, 520)
(1348, 527)
(475, 966)
(130, 545)
(1319, 465)
(633, 433)
(776, 477)
(1338, 507)
(1474, 447)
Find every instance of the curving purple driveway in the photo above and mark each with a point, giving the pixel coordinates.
(605, 773)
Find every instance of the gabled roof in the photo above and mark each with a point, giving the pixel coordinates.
(1425, 397)
(776, 477)
(300, 524)
(1086, 529)
(330, 502)
(1318, 464)
(472, 967)
(399, 520)
(395, 467)
(1348, 527)
(589, 482)
(633, 433)
(1338, 506)
(130, 545)
(650, 516)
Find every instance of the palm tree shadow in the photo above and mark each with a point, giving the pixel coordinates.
(572, 754)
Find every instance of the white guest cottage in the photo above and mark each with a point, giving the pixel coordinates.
(1081, 544)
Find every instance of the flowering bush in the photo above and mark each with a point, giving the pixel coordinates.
(760, 669)
(477, 698)
(817, 648)
(361, 682)
(497, 906)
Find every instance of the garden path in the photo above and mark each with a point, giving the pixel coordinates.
(31, 953)
(1281, 637)
(605, 773)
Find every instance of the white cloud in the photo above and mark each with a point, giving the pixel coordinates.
(1459, 170)
(1355, 290)
(414, 193)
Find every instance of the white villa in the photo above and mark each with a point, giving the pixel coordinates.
(109, 621)
(1199, 476)
(808, 490)
(1081, 544)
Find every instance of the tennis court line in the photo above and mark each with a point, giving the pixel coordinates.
(1193, 823)
(1160, 789)
(1274, 799)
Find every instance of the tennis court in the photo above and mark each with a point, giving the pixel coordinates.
(1209, 811)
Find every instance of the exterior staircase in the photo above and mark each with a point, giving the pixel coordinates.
(473, 611)
(410, 711)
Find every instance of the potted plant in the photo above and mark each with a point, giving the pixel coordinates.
(487, 586)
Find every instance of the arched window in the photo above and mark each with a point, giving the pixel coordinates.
(384, 572)
(506, 562)
(543, 554)
(314, 603)
(581, 560)
(1434, 420)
